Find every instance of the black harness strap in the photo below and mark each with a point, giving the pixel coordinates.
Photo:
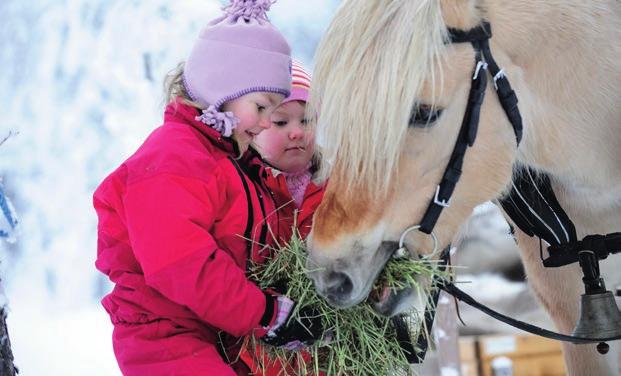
(416, 355)
(532, 204)
(439, 285)
(402, 331)
(422, 343)
(459, 294)
(478, 37)
(534, 208)
(465, 139)
(601, 245)
(506, 94)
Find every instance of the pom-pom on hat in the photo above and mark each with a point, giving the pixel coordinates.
(238, 53)
(300, 83)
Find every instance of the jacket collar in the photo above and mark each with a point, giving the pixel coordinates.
(180, 112)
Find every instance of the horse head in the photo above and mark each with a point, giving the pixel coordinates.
(392, 91)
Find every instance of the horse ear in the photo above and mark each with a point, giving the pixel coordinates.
(462, 14)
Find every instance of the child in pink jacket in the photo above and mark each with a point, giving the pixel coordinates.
(182, 217)
(288, 146)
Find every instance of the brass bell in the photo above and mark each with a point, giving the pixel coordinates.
(599, 316)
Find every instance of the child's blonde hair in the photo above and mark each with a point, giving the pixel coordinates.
(175, 88)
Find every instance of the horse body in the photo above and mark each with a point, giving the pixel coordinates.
(379, 60)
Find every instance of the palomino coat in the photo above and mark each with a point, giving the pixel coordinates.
(175, 221)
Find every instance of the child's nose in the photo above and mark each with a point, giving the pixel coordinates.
(265, 123)
(296, 133)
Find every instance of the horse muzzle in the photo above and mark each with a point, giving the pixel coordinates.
(337, 290)
(347, 282)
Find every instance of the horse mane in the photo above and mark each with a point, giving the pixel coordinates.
(366, 139)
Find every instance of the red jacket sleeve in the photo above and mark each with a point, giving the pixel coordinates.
(169, 219)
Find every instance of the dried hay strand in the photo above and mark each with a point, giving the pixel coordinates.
(362, 341)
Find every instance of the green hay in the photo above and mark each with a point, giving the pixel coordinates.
(363, 342)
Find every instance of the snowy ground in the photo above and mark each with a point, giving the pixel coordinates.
(73, 342)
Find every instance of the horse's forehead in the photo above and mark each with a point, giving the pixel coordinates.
(459, 14)
(343, 214)
(455, 69)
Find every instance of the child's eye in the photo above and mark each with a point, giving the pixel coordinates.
(304, 121)
(281, 123)
(260, 107)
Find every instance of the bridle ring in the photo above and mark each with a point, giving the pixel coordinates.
(402, 250)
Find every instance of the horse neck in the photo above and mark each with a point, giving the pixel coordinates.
(566, 54)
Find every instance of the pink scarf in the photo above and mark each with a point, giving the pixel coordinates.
(297, 183)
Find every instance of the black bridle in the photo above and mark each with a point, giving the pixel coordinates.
(560, 254)
(479, 38)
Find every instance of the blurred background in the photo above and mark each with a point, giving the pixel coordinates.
(81, 89)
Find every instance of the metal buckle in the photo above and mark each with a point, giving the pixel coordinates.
(402, 251)
(480, 65)
(442, 203)
(498, 76)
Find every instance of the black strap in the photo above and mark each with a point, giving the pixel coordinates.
(403, 337)
(479, 33)
(465, 138)
(533, 206)
(506, 95)
(479, 38)
(250, 220)
(508, 100)
(270, 307)
(600, 245)
(459, 294)
(422, 342)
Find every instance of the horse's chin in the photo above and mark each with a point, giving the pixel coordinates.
(391, 303)
(343, 303)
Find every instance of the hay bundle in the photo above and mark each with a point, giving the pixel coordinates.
(363, 342)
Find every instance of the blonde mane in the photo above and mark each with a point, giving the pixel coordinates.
(366, 142)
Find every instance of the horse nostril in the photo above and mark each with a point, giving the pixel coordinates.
(339, 285)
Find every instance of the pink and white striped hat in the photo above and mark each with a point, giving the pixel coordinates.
(300, 83)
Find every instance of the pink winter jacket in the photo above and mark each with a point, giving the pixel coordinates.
(178, 222)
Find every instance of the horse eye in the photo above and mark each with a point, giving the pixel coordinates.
(424, 116)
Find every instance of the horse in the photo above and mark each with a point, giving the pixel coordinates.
(390, 92)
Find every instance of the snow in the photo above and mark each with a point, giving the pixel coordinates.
(75, 342)
(489, 286)
(449, 371)
(81, 88)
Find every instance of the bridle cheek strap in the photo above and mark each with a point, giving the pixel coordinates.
(478, 37)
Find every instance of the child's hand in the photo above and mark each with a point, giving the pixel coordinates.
(294, 333)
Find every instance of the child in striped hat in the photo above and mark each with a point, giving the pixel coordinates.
(288, 146)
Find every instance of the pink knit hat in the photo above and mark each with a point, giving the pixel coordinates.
(300, 83)
(238, 53)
